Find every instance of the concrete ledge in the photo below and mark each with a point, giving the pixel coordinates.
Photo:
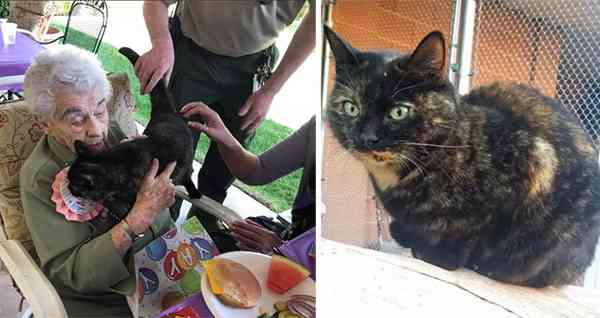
(357, 282)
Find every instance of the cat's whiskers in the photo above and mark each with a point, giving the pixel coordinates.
(434, 145)
(447, 126)
(403, 165)
(419, 167)
(456, 178)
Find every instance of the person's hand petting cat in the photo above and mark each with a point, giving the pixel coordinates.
(155, 64)
(213, 126)
(240, 162)
(157, 193)
(253, 237)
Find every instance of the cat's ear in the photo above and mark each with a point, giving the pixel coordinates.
(430, 55)
(344, 53)
(81, 149)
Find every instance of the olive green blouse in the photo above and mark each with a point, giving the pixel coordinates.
(79, 258)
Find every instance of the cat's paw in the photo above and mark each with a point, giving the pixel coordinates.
(415, 253)
(402, 235)
(438, 258)
(193, 193)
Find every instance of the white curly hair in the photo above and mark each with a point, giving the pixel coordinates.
(63, 65)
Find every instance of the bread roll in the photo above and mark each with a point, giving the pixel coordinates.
(238, 286)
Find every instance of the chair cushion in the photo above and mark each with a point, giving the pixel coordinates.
(19, 133)
(122, 105)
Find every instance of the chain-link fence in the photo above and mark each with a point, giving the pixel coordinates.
(553, 45)
(390, 24)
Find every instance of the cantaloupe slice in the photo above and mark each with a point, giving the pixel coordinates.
(284, 274)
(213, 276)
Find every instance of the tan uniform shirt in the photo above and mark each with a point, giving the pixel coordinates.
(79, 258)
(235, 28)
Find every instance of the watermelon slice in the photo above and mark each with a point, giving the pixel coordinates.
(284, 274)
(185, 312)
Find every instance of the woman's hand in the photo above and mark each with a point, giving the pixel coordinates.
(239, 161)
(156, 194)
(213, 125)
(253, 237)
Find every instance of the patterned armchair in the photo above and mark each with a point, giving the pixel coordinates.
(19, 133)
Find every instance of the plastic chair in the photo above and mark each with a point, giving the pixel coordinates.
(32, 283)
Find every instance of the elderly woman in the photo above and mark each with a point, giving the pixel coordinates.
(88, 262)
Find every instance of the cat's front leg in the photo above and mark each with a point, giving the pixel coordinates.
(447, 254)
(191, 188)
(118, 207)
(403, 235)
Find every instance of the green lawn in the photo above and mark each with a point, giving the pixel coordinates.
(278, 195)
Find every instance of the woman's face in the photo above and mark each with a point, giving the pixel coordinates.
(79, 116)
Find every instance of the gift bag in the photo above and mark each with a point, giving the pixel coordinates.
(169, 271)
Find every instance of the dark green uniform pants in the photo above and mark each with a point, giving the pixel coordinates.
(224, 84)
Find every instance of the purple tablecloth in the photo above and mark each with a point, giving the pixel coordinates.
(196, 302)
(16, 58)
(299, 249)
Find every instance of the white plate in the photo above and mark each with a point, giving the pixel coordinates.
(258, 264)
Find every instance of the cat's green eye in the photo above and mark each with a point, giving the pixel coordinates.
(351, 109)
(399, 112)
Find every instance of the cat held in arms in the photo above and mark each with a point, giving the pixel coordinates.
(114, 175)
(503, 180)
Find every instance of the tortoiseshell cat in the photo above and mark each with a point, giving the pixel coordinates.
(114, 175)
(503, 181)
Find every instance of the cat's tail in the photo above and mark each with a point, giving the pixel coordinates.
(130, 54)
(162, 101)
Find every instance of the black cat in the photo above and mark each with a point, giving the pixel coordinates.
(504, 180)
(114, 175)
